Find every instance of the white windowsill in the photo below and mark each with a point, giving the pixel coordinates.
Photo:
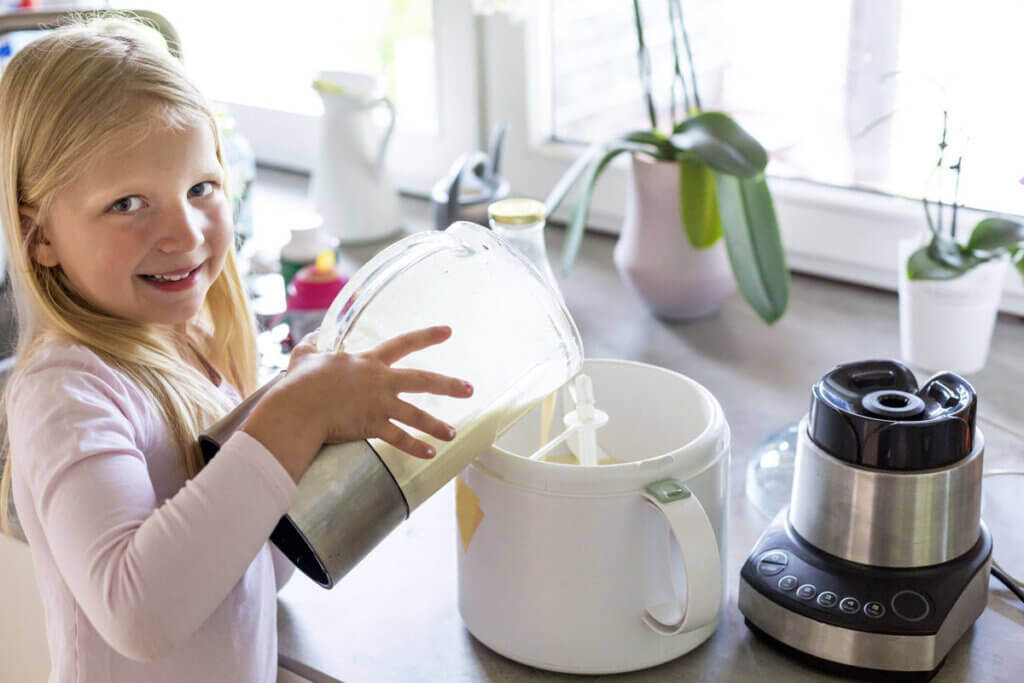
(833, 233)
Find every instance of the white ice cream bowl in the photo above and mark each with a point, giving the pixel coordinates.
(605, 568)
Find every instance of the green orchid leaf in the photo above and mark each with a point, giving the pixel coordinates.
(944, 250)
(574, 230)
(1018, 260)
(718, 141)
(753, 242)
(942, 259)
(698, 203)
(995, 234)
(569, 178)
(657, 139)
(923, 265)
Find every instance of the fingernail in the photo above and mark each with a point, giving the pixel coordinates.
(451, 432)
(431, 452)
(468, 388)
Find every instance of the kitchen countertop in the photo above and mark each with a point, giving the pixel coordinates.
(395, 616)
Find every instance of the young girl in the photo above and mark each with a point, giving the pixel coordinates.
(134, 334)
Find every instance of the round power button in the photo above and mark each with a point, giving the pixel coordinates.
(910, 605)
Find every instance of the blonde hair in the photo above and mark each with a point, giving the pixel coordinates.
(62, 98)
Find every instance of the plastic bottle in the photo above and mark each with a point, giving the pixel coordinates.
(311, 293)
(308, 240)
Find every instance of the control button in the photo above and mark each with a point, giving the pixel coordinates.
(850, 605)
(772, 562)
(788, 583)
(875, 610)
(806, 592)
(910, 605)
(828, 599)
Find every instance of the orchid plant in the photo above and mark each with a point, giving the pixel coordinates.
(722, 188)
(944, 257)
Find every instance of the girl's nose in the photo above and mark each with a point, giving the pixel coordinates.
(184, 230)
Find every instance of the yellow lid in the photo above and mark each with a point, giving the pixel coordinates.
(324, 262)
(517, 211)
(327, 87)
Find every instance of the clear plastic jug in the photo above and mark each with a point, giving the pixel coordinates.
(511, 337)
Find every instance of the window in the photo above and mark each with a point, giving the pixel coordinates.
(848, 93)
(269, 59)
(261, 58)
(847, 96)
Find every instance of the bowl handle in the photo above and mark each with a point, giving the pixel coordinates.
(691, 535)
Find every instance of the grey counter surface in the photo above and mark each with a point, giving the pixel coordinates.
(395, 617)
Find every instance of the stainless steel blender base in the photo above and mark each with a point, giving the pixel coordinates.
(798, 596)
(860, 649)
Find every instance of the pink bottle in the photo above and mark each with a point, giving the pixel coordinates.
(311, 292)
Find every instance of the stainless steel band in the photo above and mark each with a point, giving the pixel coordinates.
(347, 503)
(883, 518)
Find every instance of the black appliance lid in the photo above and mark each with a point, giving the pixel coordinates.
(872, 413)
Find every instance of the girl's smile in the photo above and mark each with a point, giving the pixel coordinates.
(143, 231)
(174, 281)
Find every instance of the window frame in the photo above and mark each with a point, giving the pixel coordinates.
(833, 232)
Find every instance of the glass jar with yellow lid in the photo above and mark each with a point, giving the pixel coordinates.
(520, 222)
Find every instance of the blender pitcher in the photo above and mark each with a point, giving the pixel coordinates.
(511, 337)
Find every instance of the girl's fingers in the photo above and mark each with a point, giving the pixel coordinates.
(405, 442)
(393, 350)
(310, 338)
(408, 414)
(424, 382)
(307, 344)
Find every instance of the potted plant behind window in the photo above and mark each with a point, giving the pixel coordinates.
(949, 290)
(690, 187)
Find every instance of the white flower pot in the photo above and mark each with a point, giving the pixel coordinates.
(947, 324)
(654, 256)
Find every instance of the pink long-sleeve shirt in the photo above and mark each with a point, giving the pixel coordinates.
(144, 575)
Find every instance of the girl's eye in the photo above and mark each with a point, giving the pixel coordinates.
(126, 204)
(201, 189)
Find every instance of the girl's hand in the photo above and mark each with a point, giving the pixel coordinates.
(338, 397)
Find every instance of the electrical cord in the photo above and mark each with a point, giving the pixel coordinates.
(1015, 584)
(1002, 576)
(1012, 582)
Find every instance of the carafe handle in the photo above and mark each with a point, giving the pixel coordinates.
(690, 534)
(386, 136)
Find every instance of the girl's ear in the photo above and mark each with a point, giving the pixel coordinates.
(41, 250)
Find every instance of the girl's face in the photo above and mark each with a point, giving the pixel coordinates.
(143, 231)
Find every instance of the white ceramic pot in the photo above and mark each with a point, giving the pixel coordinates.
(654, 256)
(607, 568)
(947, 324)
